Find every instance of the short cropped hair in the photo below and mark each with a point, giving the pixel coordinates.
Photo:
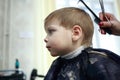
(70, 16)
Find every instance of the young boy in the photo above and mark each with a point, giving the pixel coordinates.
(69, 36)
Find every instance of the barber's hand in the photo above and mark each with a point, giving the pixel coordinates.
(113, 24)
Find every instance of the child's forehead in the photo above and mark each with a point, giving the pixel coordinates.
(52, 22)
(52, 26)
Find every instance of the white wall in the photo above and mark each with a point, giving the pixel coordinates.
(17, 38)
(22, 35)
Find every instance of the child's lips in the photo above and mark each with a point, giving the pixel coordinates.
(48, 47)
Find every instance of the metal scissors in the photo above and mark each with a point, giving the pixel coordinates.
(97, 19)
(103, 10)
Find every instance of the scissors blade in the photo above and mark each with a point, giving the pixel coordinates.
(103, 9)
(102, 6)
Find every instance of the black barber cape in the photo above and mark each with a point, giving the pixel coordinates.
(90, 64)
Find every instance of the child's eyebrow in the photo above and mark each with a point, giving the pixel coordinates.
(49, 27)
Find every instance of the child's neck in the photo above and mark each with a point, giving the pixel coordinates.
(74, 53)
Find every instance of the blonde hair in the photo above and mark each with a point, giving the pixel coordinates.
(70, 16)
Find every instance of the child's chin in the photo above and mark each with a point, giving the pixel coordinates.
(54, 55)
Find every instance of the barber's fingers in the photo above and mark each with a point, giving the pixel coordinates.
(102, 31)
(108, 15)
(101, 16)
(105, 24)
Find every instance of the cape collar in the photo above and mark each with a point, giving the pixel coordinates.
(74, 53)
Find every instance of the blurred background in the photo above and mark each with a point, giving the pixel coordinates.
(22, 32)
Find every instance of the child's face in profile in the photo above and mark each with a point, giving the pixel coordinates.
(58, 39)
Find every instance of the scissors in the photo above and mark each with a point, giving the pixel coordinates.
(97, 19)
(103, 10)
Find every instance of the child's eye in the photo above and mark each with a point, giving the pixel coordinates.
(50, 31)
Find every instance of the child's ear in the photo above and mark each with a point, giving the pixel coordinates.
(76, 32)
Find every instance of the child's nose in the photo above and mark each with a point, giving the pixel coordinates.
(46, 40)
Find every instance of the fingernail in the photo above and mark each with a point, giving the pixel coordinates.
(102, 31)
(100, 24)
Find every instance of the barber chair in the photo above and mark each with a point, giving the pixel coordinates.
(34, 75)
